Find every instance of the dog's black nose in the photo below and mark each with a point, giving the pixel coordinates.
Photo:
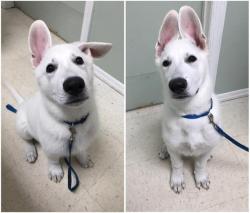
(73, 85)
(178, 85)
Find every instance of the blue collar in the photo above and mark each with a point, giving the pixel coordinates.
(81, 121)
(74, 123)
(194, 116)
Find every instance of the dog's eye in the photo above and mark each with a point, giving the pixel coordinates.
(51, 68)
(78, 60)
(166, 63)
(191, 59)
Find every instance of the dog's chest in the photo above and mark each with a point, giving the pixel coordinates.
(57, 142)
(190, 138)
(191, 141)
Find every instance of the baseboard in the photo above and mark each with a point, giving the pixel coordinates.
(7, 4)
(233, 95)
(109, 80)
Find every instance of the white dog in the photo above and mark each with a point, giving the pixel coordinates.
(65, 78)
(181, 55)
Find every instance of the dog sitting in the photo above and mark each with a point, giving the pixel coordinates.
(181, 55)
(64, 74)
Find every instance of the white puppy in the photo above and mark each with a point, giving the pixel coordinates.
(181, 55)
(65, 78)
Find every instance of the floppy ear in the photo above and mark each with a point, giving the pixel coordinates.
(190, 26)
(96, 49)
(168, 31)
(39, 41)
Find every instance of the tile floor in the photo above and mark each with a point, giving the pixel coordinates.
(228, 170)
(26, 187)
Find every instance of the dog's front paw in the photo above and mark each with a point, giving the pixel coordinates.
(88, 163)
(85, 161)
(202, 180)
(55, 173)
(177, 182)
(163, 154)
(31, 155)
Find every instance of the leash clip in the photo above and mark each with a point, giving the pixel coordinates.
(73, 132)
(211, 118)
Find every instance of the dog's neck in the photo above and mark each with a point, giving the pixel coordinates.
(66, 113)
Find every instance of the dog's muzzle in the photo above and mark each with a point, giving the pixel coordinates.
(178, 85)
(74, 86)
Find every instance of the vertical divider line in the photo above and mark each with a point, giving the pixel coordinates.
(125, 95)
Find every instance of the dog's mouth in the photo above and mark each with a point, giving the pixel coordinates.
(180, 96)
(183, 95)
(76, 101)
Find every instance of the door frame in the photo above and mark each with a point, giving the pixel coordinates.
(214, 19)
(99, 72)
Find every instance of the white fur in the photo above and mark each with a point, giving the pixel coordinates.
(42, 117)
(185, 137)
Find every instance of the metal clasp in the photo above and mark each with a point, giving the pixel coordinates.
(73, 132)
(211, 118)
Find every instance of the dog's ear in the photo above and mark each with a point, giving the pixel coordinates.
(96, 49)
(168, 31)
(39, 41)
(190, 26)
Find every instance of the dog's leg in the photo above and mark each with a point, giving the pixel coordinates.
(55, 170)
(200, 173)
(163, 154)
(22, 129)
(84, 159)
(31, 153)
(177, 178)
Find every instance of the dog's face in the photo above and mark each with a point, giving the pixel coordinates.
(64, 72)
(181, 53)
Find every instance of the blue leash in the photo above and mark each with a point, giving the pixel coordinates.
(68, 162)
(70, 171)
(11, 108)
(224, 134)
(216, 127)
(71, 140)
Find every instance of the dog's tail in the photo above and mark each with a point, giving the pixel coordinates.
(15, 94)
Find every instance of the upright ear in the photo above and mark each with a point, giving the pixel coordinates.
(190, 26)
(96, 49)
(39, 41)
(168, 31)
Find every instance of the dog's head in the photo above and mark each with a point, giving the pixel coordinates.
(64, 72)
(181, 53)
